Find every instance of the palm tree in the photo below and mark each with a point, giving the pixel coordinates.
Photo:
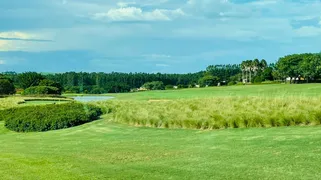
(255, 66)
(243, 68)
(263, 64)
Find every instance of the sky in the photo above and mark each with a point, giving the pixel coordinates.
(167, 36)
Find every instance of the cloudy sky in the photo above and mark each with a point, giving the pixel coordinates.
(152, 35)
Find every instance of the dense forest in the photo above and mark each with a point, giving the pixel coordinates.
(296, 68)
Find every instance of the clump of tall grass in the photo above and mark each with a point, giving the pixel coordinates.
(10, 102)
(218, 113)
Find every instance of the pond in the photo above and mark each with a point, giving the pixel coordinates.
(91, 98)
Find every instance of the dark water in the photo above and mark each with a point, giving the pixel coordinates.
(92, 98)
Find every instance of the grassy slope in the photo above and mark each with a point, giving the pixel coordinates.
(101, 150)
(253, 90)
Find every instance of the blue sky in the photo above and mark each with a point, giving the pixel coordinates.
(168, 36)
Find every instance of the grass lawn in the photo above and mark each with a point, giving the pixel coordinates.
(311, 90)
(107, 150)
(104, 150)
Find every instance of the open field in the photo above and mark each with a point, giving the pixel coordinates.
(276, 90)
(101, 150)
(105, 149)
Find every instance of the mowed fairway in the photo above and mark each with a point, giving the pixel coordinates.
(107, 150)
(276, 90)
(103, 150)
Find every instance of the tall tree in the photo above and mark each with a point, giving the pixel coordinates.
(310, 66)
(29, 79)
(6, 86)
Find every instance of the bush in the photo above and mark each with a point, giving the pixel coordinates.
(72, 89)
(155, 85)
(49, 117)
(258, 80)
(41, 90)
(97, 90)
(191, 86)
(6, 87)
(47, 82)
(182, 86)
(271, 82)
(169, 87)
(232, 83)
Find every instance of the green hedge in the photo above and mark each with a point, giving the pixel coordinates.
(41, 90)
(49, 117)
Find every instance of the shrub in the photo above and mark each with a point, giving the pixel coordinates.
(155, 85)
(169, 87)
(49, 117)
(97, 90)
(231, 83)
(182, 86)
(271, 82)
(47, 82)
(41, 90)
(72, 89)
(258, 80)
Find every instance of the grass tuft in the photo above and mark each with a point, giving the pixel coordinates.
(218, 113)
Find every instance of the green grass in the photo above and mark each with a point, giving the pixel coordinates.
(276, 90)
(218, 113)
(107, 150)
(104, 150)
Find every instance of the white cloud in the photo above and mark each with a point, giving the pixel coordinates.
(23, 41)
(261, 19)
(15, 34)
(308, 31)
(2, 62)
(137, 14)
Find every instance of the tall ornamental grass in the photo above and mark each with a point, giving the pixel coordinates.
(217, 113)
(10, 102)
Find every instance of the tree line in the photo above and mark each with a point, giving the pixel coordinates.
(296, 67)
